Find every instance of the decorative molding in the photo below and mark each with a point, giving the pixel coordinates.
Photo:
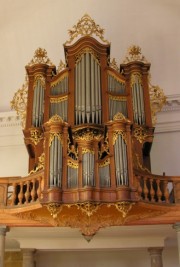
(172, 103)
(9, 119)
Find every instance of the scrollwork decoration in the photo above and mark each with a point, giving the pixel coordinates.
(86, 27)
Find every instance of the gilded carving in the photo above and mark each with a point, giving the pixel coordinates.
(40, 57)
(87, 50)
(55, 119)
(117, 133)
(120, 117)
(136, 77)
(35, 135)
(88, 208)
(138, 165)
(58, 99)
(157, 101)
(72, 164)
(86, 27)
(39, 78)
(117, 97)
(52, 136)
(40, 166)
(88, 134)
(87, 150)
(113, 65)
(134, 54)
(54, 209)
(140, 134)
(106, 162)
(61, 66)
(60, 79)
(19, 102)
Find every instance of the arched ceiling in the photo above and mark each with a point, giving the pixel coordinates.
(27, 25)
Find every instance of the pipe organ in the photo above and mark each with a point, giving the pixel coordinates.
(90, 121)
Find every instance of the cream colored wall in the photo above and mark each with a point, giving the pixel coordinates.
(119, 258)
(27, 25)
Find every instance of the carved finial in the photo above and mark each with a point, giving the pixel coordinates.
(61, 66)
(40, 57)
(134, 54)
(113, 65)
(19, 102)
(86, 26)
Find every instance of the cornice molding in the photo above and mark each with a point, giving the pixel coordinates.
(164, 124)
(172, 103)
(9, 119)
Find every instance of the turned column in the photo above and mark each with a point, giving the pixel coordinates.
(28, 257)
(3, 230)
(156, 256)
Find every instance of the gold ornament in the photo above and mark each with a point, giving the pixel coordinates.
(40, 57)
(113, 65)
(134, 54)
(157, 101)
(86, 27)
(88, 208)
(123, 207)
(19, 102)
(117, 133)
(61, 66)
(35, 135)
(55, 119)
(54, 209)
(140, 134)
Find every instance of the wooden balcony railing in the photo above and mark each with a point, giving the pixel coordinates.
(158, 189)
(18, 191)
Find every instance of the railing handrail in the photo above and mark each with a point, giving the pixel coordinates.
(160, 177)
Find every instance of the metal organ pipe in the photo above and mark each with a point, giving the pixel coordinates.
(138, 99)
(87, 90)
(55, 162)
(120, 153)
(38, 102)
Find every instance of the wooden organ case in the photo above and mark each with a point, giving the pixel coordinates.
(89, 122)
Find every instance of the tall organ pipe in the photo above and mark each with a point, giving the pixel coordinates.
(87, 90)
(38, 103)
(55, 163)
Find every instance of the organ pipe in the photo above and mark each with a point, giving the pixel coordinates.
(38, 101)
(138, 99)
(120, 154)
(87, 90)
(55, 162)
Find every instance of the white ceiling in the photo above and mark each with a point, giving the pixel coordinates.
(27, 25)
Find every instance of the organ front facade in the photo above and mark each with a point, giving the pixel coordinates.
(88, 129)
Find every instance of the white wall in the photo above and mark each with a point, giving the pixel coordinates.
(118, 258)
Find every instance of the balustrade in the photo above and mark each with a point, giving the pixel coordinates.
(155, 188)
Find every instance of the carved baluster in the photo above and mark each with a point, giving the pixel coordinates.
(146, 191)
(152, 191)
(159, 192)
(20, 195)
(13, 198)
(39, 188)
(27, 194)
(33, 192)
(139, 187)
(166, 192)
